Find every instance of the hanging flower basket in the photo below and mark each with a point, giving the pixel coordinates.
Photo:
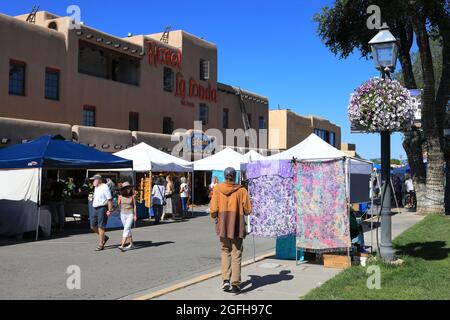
(381, 105)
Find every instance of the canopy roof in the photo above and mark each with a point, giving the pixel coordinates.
(220, 161)
(147, 158)
(252, 155)
(53, 151)
(315, 148)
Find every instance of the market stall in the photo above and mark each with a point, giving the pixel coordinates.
(147, 161)
(22, 165)
(305, 193)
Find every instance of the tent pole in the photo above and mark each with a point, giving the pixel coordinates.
(39, 202)
(192, 191)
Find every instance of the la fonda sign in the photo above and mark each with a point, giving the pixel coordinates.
(161, 55)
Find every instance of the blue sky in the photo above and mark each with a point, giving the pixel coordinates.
(268, 47)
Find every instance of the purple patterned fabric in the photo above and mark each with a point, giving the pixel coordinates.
(282, 168)
(271, 190)
(323, 220)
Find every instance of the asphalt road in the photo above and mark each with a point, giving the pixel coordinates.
(166, 254)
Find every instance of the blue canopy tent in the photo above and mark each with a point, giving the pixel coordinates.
(54, 152)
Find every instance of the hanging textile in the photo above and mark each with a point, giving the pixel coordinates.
(323, 221)
(271, 190)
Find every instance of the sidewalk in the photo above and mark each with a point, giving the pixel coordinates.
(272, 279)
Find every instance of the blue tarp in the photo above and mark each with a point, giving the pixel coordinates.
(55, 152)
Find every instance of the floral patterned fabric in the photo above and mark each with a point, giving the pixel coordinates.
(321, 202)
(271, 190)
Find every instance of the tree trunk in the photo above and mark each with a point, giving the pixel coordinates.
(432, 123)
(413, 148)
(434, 200)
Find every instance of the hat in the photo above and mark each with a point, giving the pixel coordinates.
(126, 184)
(96, 177)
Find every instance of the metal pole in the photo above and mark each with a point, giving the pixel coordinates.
(386, 250)
(39, 202)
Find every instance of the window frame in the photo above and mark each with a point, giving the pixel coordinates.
(172, 77)
(53, 71)
(227, 112)
(132, 114)
(94, 112)
(204, 62)
(22, 64)
(203, 106)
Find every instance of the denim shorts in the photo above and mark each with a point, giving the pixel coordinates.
(98, 217)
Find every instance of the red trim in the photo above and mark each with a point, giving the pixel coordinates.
(54, 70)
(88, 107)
(19, 62)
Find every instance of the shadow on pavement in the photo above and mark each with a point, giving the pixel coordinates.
(141, 245)
(261, 281)
(435, 250)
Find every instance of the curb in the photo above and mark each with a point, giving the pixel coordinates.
(198, 279)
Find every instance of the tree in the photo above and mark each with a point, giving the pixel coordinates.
(343, 29)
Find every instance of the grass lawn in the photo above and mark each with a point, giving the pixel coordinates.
(425, 273)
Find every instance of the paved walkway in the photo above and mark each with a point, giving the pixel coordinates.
(272, 279)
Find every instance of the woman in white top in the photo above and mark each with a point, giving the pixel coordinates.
(158, 199)
(127, 205)
(184, 194)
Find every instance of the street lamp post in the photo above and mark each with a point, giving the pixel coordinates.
(385, 51)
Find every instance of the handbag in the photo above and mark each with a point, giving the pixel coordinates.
(163, 197)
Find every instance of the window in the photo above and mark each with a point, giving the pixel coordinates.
(167, 125)
(17, 77)
(108, 64)
(332, 139)
(168, 80)
(327, 136)
(262, 123)
(203, 113)
(225, 118)
(204, 70)
(133, 121)
(89, 116)
(51, 84)
(53, 25)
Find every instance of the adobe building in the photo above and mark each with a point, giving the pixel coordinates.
(288, 128)
(110, 92)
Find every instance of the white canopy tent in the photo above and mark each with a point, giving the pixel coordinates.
(220, 161)
(252, 155)
(315, 148)
(147, 158)
(358, 171)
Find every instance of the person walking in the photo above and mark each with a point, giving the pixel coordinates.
(158, 200)
(410, 192)
(128, 215)
(184, 194)
(102, 209)
(229, 204)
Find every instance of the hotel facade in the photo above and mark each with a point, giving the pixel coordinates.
(110, 92)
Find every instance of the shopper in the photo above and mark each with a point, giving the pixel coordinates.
(184, 194)
(128, 215)
(102, 209)
(158, 199)
(229, 204)
(410, 192)
(215, 182)
(398, 190)
(170, 206)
